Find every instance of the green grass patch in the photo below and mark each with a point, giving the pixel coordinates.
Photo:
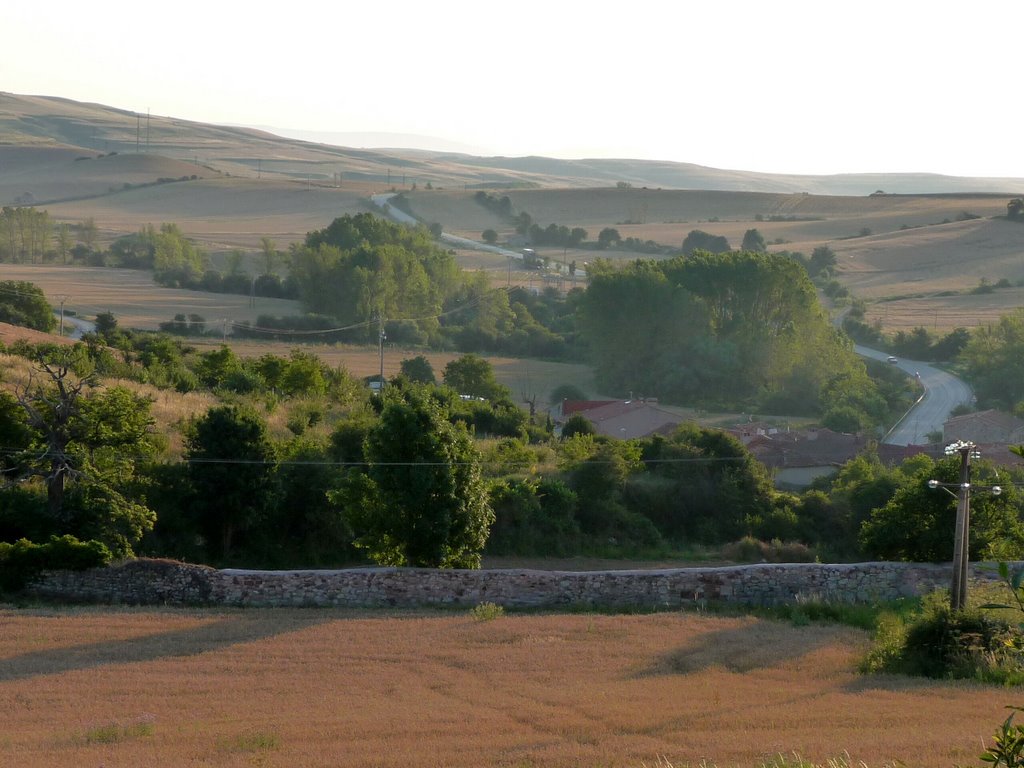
(251, 741)
(116, 733)
(487, 612)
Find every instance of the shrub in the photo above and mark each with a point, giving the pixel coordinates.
(940, 643)
(487, 611)
(24, 560)
(751, 550)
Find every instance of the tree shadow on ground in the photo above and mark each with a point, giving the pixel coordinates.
(228, 630)
(755, 645)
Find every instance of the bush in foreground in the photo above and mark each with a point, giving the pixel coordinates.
(939, 643)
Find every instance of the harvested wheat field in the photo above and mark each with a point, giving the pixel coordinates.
(115, 687)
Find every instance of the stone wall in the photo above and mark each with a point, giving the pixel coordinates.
(161, 582)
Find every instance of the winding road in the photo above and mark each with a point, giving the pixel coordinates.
(942, 391)
(382, 201)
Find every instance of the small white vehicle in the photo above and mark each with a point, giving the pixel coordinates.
(892, 359)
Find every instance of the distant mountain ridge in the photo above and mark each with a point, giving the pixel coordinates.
(34, 122)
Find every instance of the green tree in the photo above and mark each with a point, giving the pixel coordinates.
(421, 501)
(177, 262)
(23, 303)
(917, 523)
(566, 392)
(302, 527)
(231, 470)
(993, 362)
(608, 237)
(270, 255)
(85, 444)
(822, 262)
(577, 424)
(418, 370)
(533, 517)
(701, 484)
(600, 483)
(106, 325)
(64, 242)
(88, 233)
(472, 375)
(490, 236)
(753, 241)
(303, 375)
(361, 267)
(699, 240)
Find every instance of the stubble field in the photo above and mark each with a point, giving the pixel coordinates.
(117, 687)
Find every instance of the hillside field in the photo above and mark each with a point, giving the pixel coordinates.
(912, 245)
(284, 687)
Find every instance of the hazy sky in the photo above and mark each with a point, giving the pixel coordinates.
(783, 86)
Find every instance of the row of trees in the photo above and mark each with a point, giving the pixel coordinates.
(404, 477)
(28, 235)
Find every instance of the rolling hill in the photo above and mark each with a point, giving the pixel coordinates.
(916, 250)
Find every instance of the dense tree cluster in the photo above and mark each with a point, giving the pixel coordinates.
(23, 303)
(737, 328)
(420, 475)
(699, 240)
(993, 362)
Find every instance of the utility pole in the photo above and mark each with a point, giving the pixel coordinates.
(381, 337)
(958, 587)
(961, 534)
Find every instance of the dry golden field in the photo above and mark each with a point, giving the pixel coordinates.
(135, 300)
(916, 269)
(222, 213)
(525, 378)
(118, 687)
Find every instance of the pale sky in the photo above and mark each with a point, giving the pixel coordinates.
(787, 86)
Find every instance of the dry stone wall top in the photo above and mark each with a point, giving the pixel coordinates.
(161, 582)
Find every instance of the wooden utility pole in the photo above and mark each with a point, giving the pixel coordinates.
(381, 338)
(961, 548)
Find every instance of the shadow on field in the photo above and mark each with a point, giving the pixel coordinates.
(757, 645)
(229, 630)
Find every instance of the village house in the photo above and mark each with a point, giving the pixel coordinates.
(624, 419)
(990, 427)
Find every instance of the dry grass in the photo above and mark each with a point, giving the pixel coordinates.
(326, 688)
(135, 300)
(523, 377)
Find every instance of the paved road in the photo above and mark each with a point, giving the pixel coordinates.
(381, 201)
(75, 327)
(942, 393)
